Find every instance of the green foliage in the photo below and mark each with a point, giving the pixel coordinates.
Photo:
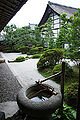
(73, 55)
(75, 31)
(50, 58)
(16, 38)
(69, 31)
(23, 49)
(19, 59)
(68, 113)
(36, 56)
(35, 50)
(48, 34)
(68, 72)
(62, 36)
(27, 57)
(71, 94)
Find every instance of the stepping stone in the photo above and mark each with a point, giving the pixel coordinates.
(9, 108)
(2, 60)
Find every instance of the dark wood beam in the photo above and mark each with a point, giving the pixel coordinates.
(4, 9)
(6, 6)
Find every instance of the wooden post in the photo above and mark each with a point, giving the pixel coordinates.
(78, 104)
(62, 87)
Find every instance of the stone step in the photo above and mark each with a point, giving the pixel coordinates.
(9, 108)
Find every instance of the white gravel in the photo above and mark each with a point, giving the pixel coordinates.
(26, 72)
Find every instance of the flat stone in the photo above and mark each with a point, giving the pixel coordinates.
(9, 108)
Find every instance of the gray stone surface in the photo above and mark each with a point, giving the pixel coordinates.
(38, 109)
(9, 85)
(9, 108)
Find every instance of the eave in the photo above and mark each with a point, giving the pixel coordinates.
(8, 8)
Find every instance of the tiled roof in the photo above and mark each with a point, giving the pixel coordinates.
(57, 8)
(62, 9)
(8, 8)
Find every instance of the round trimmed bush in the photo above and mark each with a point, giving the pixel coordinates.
(50, 58)
(36, 50)
(36, 56)
(19, 59)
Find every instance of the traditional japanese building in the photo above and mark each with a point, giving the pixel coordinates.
(54, 10)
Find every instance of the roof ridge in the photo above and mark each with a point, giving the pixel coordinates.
(50, 3)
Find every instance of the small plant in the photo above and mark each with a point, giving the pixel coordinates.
(36, 56)
(19, 59)
(71, 94)
(36, 50)
(68, 113)
(27, 57)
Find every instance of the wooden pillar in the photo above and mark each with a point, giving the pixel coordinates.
(78, 104)
(62, 87)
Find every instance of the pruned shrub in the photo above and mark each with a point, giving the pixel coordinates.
(27, 57)
(36, 56)
(36, 50)
(50, 58)
(19, 59)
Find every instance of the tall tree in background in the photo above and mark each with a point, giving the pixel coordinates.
(8, 33)
(47, 33)
(62, 36)
(75, 31)
(37, 36)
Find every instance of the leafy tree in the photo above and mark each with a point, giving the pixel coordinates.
(15, 37)
(8, 33)
(37, 36)
(64, 29)
(47, 33)
(75, 31)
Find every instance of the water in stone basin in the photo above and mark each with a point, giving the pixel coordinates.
(38, 99)
(37, 93)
